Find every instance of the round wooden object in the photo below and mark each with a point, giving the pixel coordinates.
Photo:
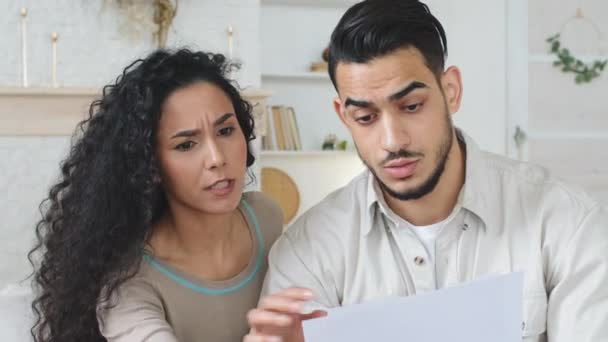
(280, 187)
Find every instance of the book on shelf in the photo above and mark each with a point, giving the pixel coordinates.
(268, 141)
(289, 145)
(278, 127)
(282, 131)
(293, 127)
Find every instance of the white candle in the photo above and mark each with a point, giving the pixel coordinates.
(54, 37)
(230, 35)
(24, 46)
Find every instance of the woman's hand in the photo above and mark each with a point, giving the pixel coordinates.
(279, 317)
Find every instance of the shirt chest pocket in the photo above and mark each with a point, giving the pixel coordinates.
(535, 317)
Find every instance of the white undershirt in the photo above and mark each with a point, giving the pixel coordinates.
(428, 235)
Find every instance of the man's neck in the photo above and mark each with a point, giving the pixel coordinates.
(439, 203)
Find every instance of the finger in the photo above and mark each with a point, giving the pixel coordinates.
(314, 314)
(261, 338)
(282, 304)
(297, 293)
(262, 319)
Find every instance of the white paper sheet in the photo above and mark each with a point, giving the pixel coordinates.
(488, 309)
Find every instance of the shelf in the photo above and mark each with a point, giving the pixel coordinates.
(557, 135)
(310, 75)
(81, 91)
(316, 3)
(48, 111)
(309, 153)
(48, 91)
(256, 93)
(550, 58)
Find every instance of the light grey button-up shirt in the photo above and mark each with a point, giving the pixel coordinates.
(510, 216)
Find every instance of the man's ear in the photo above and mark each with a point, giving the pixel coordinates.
(451, 83)
(339, 110)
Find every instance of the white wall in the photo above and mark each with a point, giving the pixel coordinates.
(476, 33)
(94, 45)
(28, 166)
(568, 123)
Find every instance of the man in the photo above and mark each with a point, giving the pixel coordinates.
(433, 210)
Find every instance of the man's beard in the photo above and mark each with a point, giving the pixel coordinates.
(431, 182)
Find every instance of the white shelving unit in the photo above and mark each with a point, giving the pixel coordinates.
(289, 45)
(45, 111)
(293, 35)
(307, 75)
(314, 3)
(308, 154)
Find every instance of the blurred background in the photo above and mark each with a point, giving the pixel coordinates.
(535, 89)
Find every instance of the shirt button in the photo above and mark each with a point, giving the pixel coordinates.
(419, 260)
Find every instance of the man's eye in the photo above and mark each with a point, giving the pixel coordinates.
(366, 119)
(412, 108)
(185, 146)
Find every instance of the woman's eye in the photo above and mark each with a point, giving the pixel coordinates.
(185, 146)
(226, 131)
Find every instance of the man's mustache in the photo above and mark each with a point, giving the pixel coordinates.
(401, 154)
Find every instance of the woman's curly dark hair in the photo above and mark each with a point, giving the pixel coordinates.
(99, 214)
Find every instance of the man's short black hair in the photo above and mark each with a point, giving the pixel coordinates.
(374, 28)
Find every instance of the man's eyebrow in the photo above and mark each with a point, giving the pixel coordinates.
(357, 103)
(406, 90)
(394, 97)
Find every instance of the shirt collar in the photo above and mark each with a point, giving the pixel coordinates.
(472, 197)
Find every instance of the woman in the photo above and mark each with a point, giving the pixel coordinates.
(148, 236)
